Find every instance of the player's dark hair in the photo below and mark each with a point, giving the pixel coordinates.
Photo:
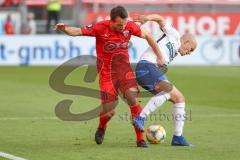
(118, 11)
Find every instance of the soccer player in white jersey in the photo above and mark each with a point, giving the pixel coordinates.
(152, 78)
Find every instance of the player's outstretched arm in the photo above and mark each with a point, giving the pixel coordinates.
(146, 35)
(152, 17)
(71, 31)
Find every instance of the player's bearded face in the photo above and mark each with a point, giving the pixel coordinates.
(119, 24)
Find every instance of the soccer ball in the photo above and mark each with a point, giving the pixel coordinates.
(155, 134)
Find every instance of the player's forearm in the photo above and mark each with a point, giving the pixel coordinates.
(72, 31)
(157, 18)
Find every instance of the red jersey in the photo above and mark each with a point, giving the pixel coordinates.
(113, 58)
(110, 43)
(9, 30)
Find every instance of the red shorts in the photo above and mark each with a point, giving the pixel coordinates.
(120, 79)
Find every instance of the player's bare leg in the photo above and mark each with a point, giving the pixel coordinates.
(178, 114)
(108, 111)
(166, 91)
(161, 90)
(130, 97)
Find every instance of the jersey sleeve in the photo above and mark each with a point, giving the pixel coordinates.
(90, 30)
(136, 30)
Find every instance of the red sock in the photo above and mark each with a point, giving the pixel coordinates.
(136, 110)
(103, 120)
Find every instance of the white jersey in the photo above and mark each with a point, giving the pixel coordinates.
(169, 46)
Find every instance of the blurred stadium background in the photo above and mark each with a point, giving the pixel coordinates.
(215, 23)
(209, 80)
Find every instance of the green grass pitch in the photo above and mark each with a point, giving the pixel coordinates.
(29, 128)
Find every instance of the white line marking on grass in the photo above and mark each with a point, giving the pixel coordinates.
(216, 115)
(10, 156)
(27, 118)
(56, 118)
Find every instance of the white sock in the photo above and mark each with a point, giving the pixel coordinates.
(178, 118)
(155, 102)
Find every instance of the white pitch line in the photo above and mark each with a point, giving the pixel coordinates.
(10, 156)
(56, 118)
(27, 118)
(216, 115)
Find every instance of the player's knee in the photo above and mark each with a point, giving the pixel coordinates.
(131, 102)
(130, 99)
(178, 97)
(165, 86)
(131, 96)
(109, 108)
(111, 113)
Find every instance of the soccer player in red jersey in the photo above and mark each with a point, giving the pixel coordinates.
(8, 27)
(115, 73)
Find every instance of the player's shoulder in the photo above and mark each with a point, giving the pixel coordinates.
(171, 33)
(170, 29)
(175, 33)
(132, 27)
(131, 24)
(101, 25)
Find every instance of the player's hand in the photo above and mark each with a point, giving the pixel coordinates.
(162, 66)
(60, 27)
(160, 62)
(141, 19)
